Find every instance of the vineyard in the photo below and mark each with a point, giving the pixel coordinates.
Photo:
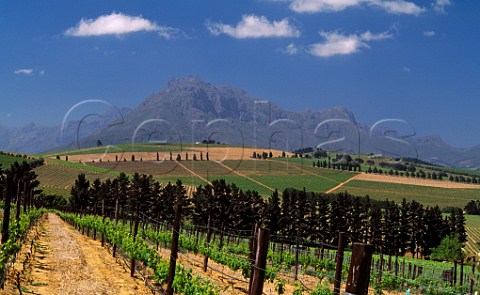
(56, 177)
(231, 252)
(218, 237)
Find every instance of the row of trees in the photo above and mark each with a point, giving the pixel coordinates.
(316, 218)
(20, 182)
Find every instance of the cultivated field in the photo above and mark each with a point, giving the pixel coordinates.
(416, 181)
(428, 196)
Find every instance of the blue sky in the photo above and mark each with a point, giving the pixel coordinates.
(416, 60)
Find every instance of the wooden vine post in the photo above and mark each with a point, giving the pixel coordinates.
(260, 261)
(360, 266)
(472, 276)
(297, 246)
(174, 249)
(135, 231)
(252, 256)
(6, 212)
(338, 269)
(209, 234)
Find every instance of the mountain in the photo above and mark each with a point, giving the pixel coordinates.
(190, 110)
(32, 138)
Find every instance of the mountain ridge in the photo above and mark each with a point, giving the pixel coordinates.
(190, 109)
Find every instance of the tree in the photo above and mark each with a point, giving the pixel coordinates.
(473, 207)
(411, 168)
(273, 212)
(79, 194)
(450, 249)
(457, 225)
(320, 154)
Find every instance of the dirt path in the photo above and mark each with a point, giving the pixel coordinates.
(192, 172)
(341, 184)
(245, 176)
(70, 263)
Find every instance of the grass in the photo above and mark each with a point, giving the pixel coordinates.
(128, 147)
(7, 160)
(472, 221)
(119, 148)
(428, 196)
(57, 177)
(274, 174)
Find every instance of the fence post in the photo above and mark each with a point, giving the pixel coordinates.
(297, 242)
(135, 231)
(338, 269)
(359, 273)
(461, 272)
(174, 249)
(260, 261)
(252, 255)
(380, 271)
(472, 276)
(209, 234)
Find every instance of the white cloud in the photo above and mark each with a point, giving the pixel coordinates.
(338, 44)
(252, 26)
(312, 6)
(291, 49)
(117, 24)
(407, 69)
(391, 6)
(398, 7)
(42, 72)
(23, 72)
(439, 5)
(429, 33)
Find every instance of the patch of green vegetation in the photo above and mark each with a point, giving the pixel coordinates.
(122, 148)
(55, 191)
(472, 221)
(428, 196)
(81, 166)
(7, 160)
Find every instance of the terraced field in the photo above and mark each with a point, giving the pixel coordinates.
(57, 177)
(473, 230)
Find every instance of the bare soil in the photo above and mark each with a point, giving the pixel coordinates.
(415, 181)
(66, 262)
(214, 153)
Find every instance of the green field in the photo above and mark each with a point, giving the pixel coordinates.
(140, 147)
(428, 196)
(473, 231)
(57, 177)
(7, 160)
(248, 175)
(137, 148)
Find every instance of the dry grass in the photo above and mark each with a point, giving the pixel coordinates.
(415, 181)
